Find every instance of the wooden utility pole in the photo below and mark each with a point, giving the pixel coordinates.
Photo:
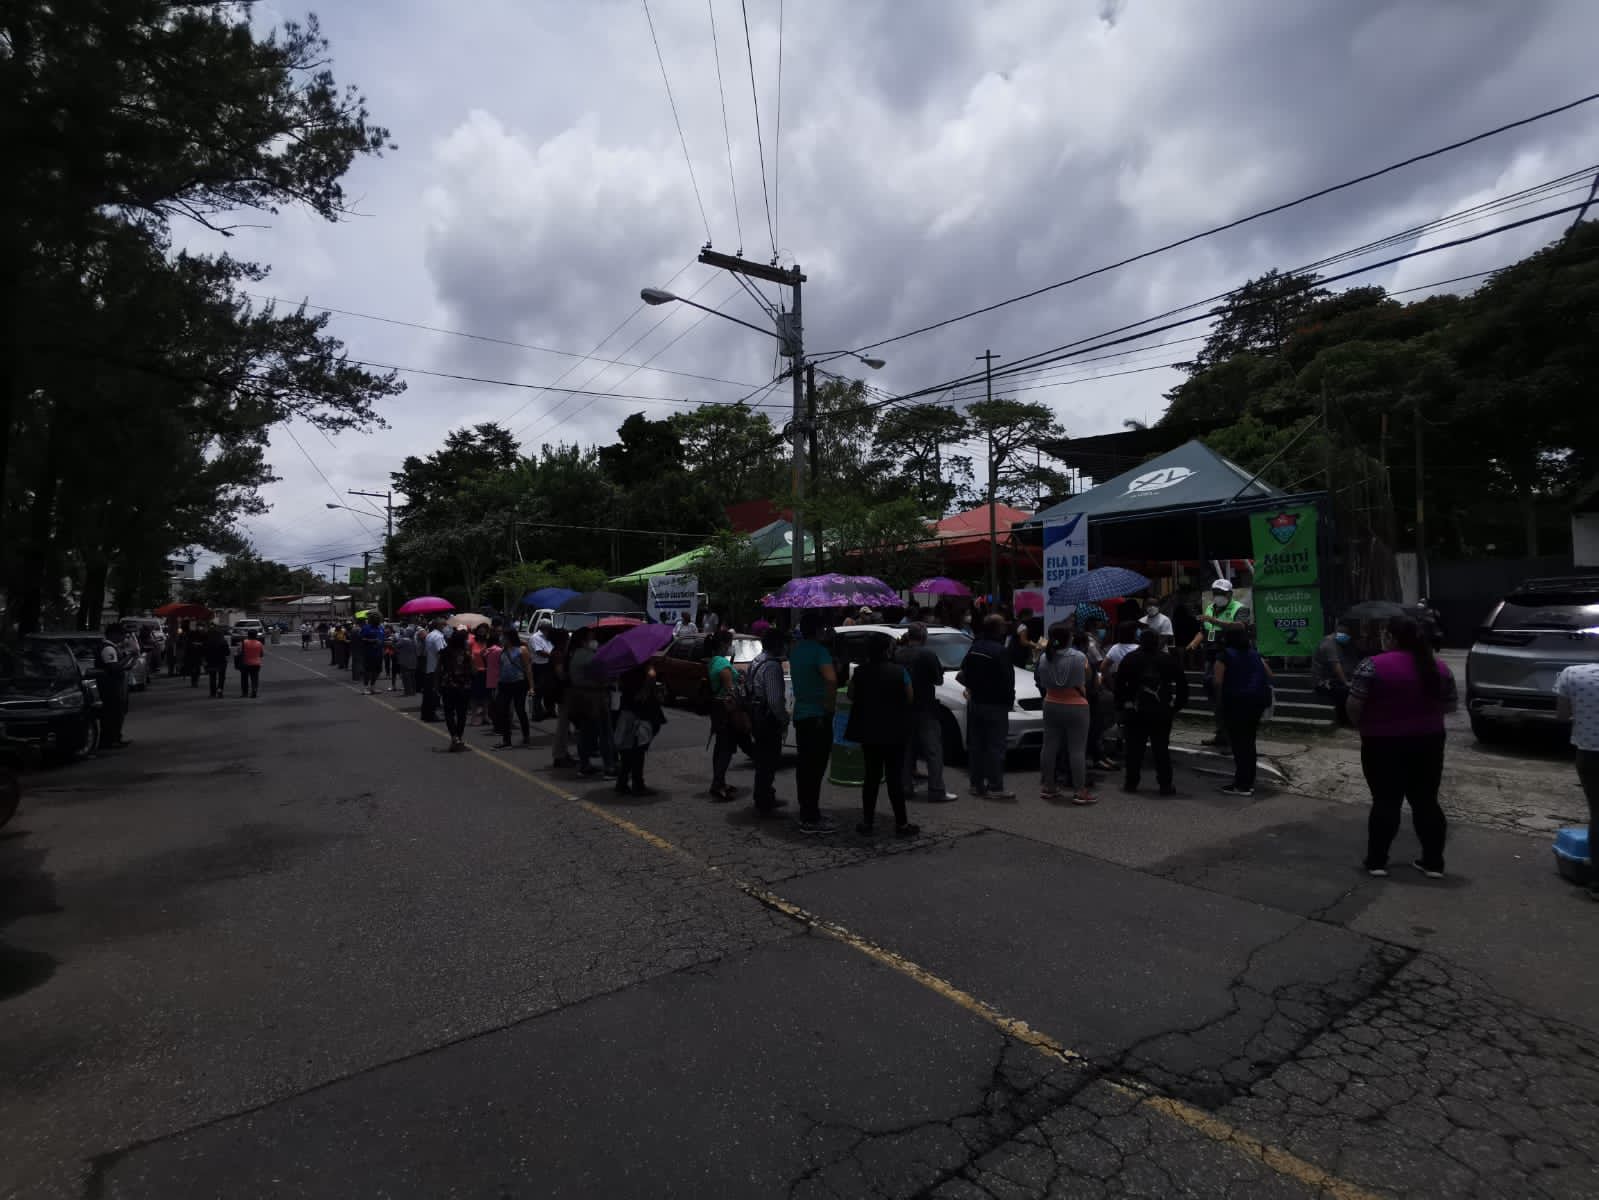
(987, 358)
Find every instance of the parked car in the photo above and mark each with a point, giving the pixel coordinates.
(86, 648)
(683, 668)
(244, 626)
(1534, 633)
(47, 699)
(1026, 722)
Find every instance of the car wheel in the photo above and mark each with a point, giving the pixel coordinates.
(1484, 730)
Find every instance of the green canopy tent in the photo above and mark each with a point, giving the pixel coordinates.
(774, 541)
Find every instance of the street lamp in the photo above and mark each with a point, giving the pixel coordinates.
(657, 296)
(388, 542)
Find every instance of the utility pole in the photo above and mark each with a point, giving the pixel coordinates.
(388, 547)
(366, 579)
(987, 357)
(1423, 583)
(810, 429)
(791, 334)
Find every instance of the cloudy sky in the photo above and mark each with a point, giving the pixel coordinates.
(923, 158)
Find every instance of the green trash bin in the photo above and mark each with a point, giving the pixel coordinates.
(847, 767)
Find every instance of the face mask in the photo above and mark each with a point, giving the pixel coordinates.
(1341, 638)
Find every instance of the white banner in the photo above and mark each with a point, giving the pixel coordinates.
(1065, 557)
(672, 595)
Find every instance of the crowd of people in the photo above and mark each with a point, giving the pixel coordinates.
(1109, 698)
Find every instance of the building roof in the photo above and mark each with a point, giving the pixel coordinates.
(774, 541)
(974, 522)
(1193, 476)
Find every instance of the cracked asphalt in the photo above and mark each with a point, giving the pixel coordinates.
(288, 947)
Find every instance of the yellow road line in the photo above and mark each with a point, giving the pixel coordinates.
(1274, 1158)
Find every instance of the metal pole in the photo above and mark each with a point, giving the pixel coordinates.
(797, 471)
(1423, 583)
(993, 485)
(388, 560)
(810, 420)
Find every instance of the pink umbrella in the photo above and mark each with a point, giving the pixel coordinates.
(426, 604)
(940, 585)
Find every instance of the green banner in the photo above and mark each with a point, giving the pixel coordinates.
(1285, 546)
(1287, 620)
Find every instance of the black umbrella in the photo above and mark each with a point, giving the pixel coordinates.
(1374, 610)
(600, 602)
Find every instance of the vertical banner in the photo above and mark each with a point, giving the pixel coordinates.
(671, 595)
(1065, 557)
(1287, 598)
(1287, 620)
(1285, 547)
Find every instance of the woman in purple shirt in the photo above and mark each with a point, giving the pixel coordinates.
(1397, 699)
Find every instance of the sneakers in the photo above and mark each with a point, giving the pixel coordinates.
(820, 825)
(1232, 789)
(721, 795)
(1376, 872)
(1429, 872)
(907, 830)
(1002, 795)
(944, 797)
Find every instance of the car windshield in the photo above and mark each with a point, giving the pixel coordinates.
(1553, 610)
(745, 649)
(951, 651)
(35, 667)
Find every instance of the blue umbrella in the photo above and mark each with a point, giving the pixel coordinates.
(1102, 583)
(548, 597)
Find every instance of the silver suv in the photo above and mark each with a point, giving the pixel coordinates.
(1541, 628)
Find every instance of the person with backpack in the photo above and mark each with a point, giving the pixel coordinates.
(1151, 688)
(881, 697)
(768, 718)
(1062, 676)
(1242, 685)
(730, 719)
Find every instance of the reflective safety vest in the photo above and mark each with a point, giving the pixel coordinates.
(1230, 613)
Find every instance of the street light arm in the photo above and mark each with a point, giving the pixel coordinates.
(655, 296)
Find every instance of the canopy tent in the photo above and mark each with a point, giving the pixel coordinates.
(1187, 505)
(774, 541)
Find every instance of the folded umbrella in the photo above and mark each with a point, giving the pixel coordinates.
(833, 591)
(628, 649)
(1102, 583)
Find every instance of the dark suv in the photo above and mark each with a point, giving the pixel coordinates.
(47, 699)
(1541, 628)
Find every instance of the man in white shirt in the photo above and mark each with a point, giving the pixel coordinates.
(1577, 701)
(542, 646)
(1154, 619)
(712, 623)
(432, 646)
(682, 625)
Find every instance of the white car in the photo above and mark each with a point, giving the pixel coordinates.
(1026, 722)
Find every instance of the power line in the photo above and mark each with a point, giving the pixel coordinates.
(777, 133)
(337, 495)
(1045, 357)
(1254, 216)
(496, 341)
(677, 120)
(726, 134)
(760, 146)
(661, 320)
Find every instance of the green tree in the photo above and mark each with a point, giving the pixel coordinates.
(241, 579)
(729, 571)
(912, 439)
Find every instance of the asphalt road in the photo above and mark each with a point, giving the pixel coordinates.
(288, 946)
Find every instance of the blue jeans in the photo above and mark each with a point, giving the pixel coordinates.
(986, 729)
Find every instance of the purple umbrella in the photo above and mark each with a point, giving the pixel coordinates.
(833, 591)
(940, 585)
(631, 648)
